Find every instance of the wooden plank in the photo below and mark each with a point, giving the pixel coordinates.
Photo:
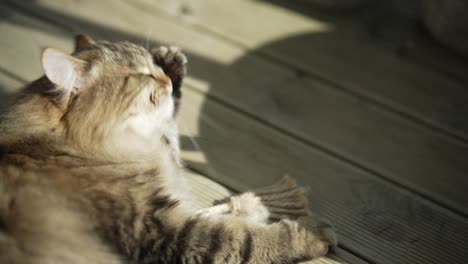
(348, 127)
(340, 50)
(381, 222)
(204, 190)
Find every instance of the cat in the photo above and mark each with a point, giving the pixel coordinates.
(91, 173)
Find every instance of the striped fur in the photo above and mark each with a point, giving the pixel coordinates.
(92, 174)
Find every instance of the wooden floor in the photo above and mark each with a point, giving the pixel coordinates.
(366, 111)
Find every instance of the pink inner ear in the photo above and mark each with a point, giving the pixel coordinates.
(61, 69)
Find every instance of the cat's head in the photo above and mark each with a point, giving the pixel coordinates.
(109, 95)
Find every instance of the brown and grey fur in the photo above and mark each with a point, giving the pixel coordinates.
(90, 173)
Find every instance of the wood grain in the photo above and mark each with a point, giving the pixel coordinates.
(344, 51)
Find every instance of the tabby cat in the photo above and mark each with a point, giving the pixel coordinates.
(90, 173)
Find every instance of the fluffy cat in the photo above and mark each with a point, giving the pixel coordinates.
(90, 173)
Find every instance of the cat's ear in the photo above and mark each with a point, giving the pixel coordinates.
(64, 71)
(82, 41)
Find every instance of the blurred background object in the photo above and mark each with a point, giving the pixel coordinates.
(447, 21)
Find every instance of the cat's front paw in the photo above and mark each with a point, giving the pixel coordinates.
(173, 62)
(249, 206)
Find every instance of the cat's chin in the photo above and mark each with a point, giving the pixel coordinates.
(139, 137)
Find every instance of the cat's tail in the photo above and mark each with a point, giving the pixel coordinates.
(37, 226)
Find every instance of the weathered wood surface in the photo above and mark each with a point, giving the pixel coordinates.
(378, 220)
(344, 50)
